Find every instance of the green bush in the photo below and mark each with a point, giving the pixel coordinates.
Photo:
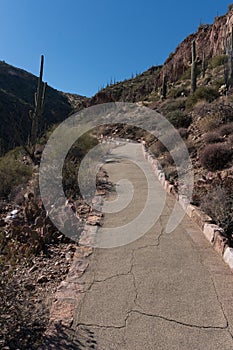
(218, 204)
(206, 93)
(218, 83)
(178, 92)
(187, 74)
(13, 172)
(217, 61)
(209, 123)
(172, 105)
(179, 119)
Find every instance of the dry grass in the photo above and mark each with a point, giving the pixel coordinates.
(209, 123)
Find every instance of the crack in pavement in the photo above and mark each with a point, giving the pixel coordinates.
(199, 255)
(221, 306)
(137, 305)
(143, 313)
(183, 324)
(176, 321)
(131, 261)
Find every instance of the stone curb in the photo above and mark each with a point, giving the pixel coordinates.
(63, 305)
(213, 233)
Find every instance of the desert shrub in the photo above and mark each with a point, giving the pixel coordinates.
(226, 129)
(230, 7)
(191, 147)
(206, 93)
(72, 162)
(172, 105)
(170, 140)
(230, 139)
(217, 61)
(170, 172)
(153, 97)
(212, 137)
(179, 119)
(167, 160)
(180, 155)
(158, 148)
(178, 92)
(207, 80)
(187, 74)
(215, 156)
(13, 172)
(209, 123)
(22, 325)
(22, 320)
(198, 193)
(218, 83)
(218, 204)
(203, 26)
(183, 133)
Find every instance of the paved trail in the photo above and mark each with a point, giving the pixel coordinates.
(162, 291)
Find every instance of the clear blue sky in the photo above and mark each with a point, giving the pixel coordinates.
(88, 42)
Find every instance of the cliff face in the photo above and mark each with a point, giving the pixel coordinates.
(210, 40)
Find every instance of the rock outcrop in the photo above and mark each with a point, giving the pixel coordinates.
(210, 40)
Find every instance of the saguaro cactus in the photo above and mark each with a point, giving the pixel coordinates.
(39, 106)
(203, 66)
(228, 69)
(231, 59)
(164, 87)
(226, 66)
(193, 68)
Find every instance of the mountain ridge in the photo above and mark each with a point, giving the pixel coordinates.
(17, 90)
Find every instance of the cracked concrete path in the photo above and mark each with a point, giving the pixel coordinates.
(161, 291)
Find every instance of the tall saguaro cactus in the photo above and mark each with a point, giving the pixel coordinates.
(203, 66)
(194, 68)
(231, 59)
(228, 69)
(164, 87)
(39, 106)
(226, 66)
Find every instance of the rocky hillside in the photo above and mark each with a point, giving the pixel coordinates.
(17, 89)
(204, 118)
(210, 42)
(130, 90)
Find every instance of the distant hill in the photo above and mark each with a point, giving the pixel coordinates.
(129, 90)
(17, 89)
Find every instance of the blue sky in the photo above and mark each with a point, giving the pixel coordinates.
(86, 43)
